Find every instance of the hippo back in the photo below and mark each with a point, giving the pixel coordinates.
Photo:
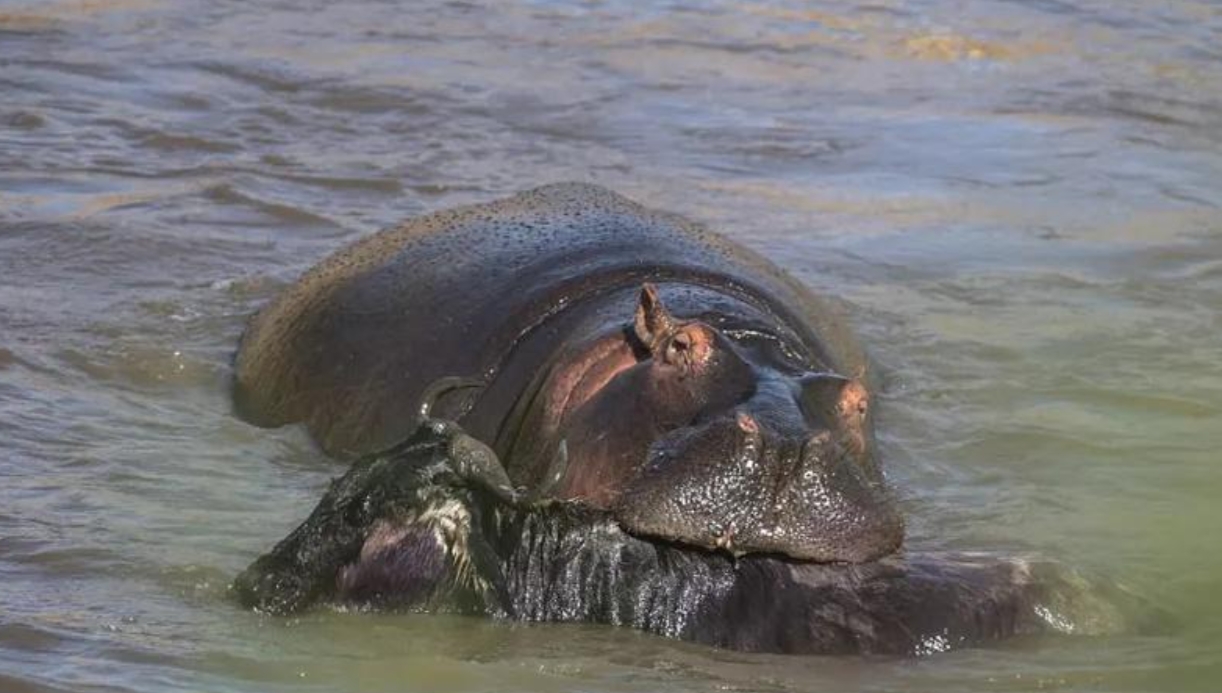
(351, 346)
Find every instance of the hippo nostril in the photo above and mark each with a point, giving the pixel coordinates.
(751, 442)
(746, 423)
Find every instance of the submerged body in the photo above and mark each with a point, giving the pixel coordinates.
(415, 528)
(631, 361)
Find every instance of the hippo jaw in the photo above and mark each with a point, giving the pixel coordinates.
(732, 485)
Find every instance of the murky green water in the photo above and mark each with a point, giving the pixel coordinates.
(1018, 203)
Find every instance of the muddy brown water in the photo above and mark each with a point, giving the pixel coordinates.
(1016, 202)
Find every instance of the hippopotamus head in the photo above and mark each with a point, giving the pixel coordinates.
(687, 435)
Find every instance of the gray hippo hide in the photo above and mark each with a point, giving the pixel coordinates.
(664, 430)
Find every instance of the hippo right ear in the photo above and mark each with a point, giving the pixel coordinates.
(653, 321)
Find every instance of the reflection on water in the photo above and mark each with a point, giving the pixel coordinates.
(1017, 202)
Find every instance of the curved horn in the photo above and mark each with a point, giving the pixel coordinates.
(444, 385)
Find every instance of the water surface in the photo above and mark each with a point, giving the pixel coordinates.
(1017, 203)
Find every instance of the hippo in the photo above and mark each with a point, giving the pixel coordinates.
(566, 406)
(627, 359)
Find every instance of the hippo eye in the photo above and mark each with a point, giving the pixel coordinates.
(678, 347)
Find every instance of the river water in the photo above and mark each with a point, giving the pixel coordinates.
(1016, 202)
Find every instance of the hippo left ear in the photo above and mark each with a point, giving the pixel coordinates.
(652, 321)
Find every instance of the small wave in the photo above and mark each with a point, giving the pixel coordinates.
(228, 194)
(172, 143)
(144, 366)
(267, 77)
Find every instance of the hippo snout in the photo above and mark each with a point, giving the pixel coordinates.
(735, 486)
(832, 508)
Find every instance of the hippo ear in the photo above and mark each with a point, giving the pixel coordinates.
(652, 321)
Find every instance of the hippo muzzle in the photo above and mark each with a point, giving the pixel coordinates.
(736, 486)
